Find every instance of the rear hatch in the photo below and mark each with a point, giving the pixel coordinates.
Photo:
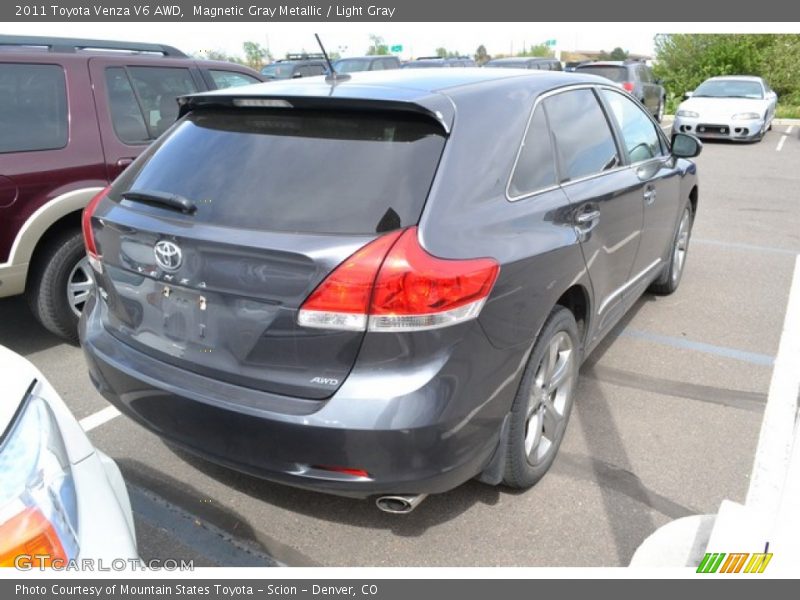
(282, 197)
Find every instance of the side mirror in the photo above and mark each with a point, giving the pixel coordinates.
(686, 146)
(687, 95)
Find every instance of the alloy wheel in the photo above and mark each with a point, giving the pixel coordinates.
(79, 286)
(551, 392)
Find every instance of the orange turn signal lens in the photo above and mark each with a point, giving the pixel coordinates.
(30, 534)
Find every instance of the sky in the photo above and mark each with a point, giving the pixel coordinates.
(417, 39)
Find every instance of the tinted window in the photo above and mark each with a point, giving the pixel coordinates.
(143, 100)
(535, 168)
(312, 70)
(227, 79)
(616, 74)
(157, 89)
(351, 65)
(278, 70)
(126, 115)
(639, 135)
(644, 74)
(296, 171)
(33, 108)
(584, 143)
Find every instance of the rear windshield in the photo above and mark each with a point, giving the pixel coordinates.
(292, 170)
(616, 74)
(351, 65)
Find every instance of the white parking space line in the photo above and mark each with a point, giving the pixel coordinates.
(777, 428)
(783, 138)
(100, 417)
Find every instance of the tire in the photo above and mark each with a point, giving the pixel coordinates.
(670, 278)
(538, 418)
(61, 262)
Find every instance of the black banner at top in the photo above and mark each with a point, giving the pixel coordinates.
(399, 11)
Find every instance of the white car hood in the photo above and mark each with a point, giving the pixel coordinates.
(17, 374)
(723, 108)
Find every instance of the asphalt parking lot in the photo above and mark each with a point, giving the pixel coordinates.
(665, 423)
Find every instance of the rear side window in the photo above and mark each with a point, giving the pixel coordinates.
(535, 169)
(33, 108)
(584, 142)
(143, 100)
(227, 79)
(615, 74)
(294, 170)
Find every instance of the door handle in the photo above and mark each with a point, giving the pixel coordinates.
(124, 162)
(587, 217)
(650, 195)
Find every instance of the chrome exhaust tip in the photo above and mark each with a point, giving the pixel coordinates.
(400, 504)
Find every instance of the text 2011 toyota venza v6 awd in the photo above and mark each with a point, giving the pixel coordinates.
(382, 286)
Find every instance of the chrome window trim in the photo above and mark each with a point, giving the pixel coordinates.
(539, 99)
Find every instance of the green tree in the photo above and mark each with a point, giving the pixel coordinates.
(220, 55)
(445, 53)
(377, 46)
(255, 55)
(481, 56)
(686, 60)
(537, 50)
(618, 54)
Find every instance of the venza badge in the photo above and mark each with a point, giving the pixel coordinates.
(168, 255)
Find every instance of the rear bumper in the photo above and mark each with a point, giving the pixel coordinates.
(423, 433)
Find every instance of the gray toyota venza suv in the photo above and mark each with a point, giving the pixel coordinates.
(385, 285)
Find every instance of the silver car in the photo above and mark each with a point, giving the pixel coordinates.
(737, 108)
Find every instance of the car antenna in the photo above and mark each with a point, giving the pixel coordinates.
(332, 76)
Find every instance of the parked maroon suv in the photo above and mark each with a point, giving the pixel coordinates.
(73, 114)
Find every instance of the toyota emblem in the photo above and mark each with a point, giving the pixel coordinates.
(168, 255)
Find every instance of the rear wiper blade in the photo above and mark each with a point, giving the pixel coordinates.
(163, 199)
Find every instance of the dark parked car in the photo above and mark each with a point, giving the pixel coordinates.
(73, 114)
(634, 77)
(525, 62)
(409, 314)
(428, 62)
(353, 64)
(296, 66)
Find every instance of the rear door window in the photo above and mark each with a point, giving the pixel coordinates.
(535, 169)
(33, 108)
(303, 171)
(583, 139)
(143, 100)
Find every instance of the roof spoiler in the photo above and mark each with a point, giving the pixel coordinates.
(437, 107)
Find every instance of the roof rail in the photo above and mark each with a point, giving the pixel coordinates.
(304, 56)
(72, 45)
(430, 58)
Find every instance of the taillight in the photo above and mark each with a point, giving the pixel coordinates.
(88, 234)
(393, 284)
(628, 86)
